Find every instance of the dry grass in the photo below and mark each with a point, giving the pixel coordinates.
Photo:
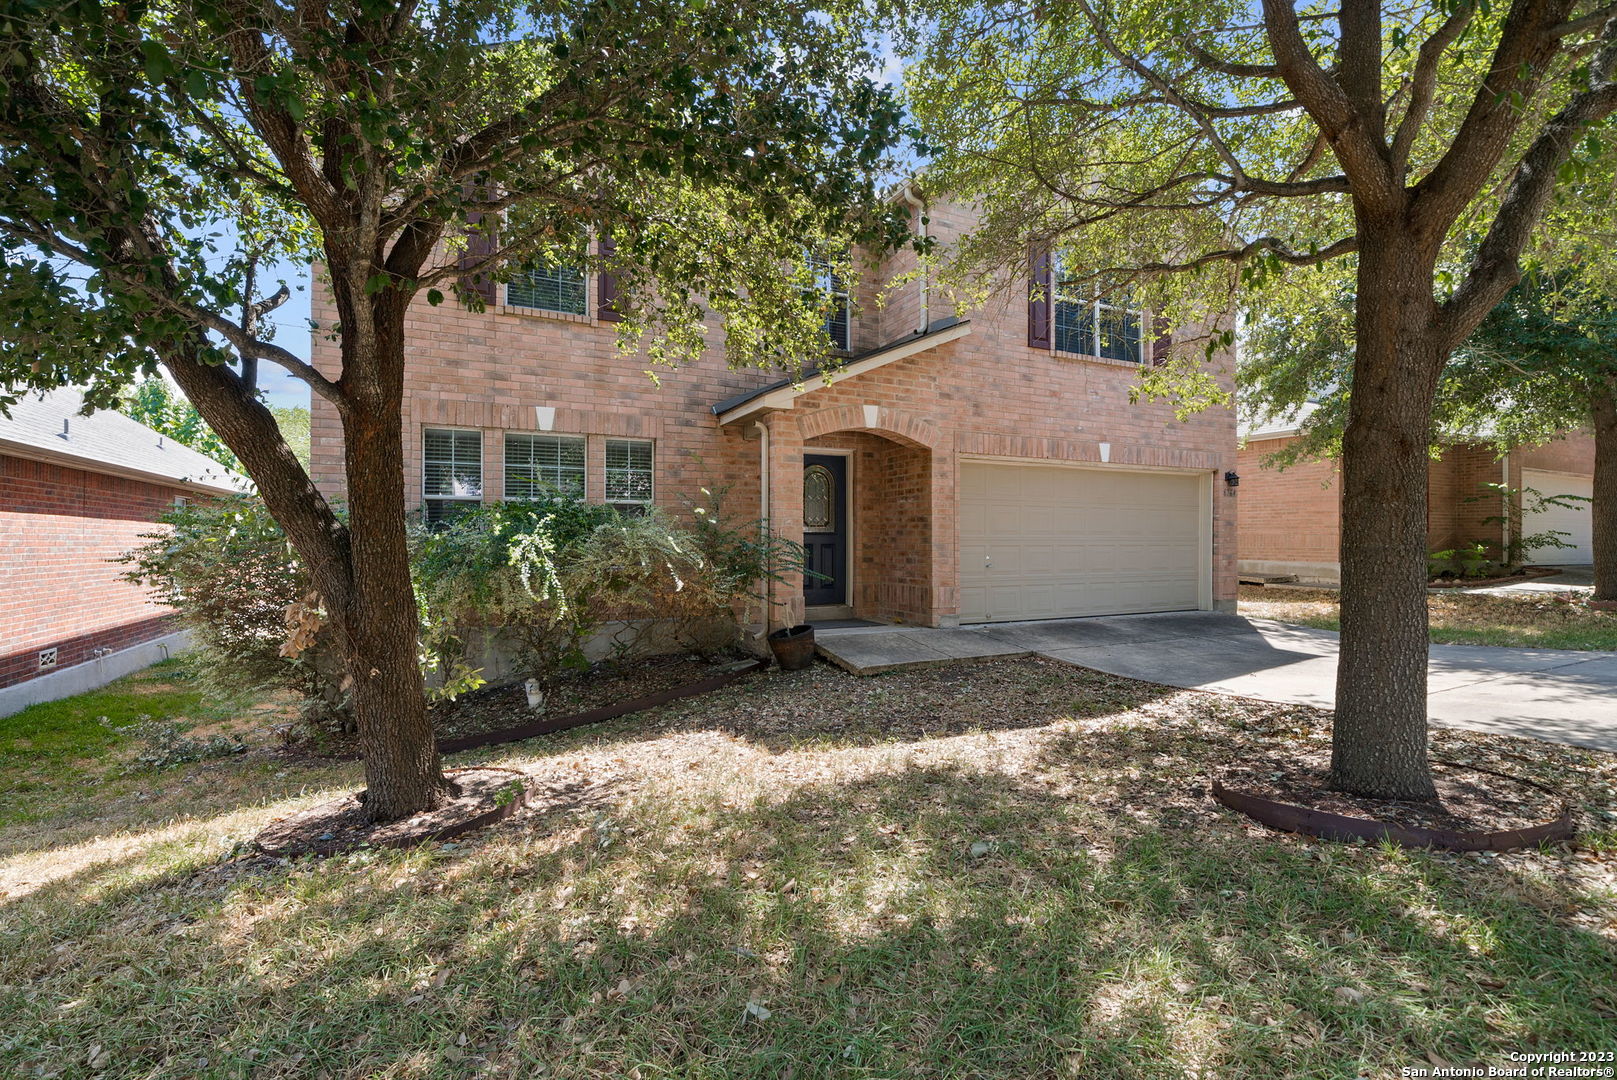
(997, 870)
(1530, 621)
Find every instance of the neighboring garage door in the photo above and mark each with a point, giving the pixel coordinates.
(1047, 542)
(1573, 519)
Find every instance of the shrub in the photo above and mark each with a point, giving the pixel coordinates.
(554, 571)
(232, 578)
(501, 565)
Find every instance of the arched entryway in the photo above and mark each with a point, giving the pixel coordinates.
(872, 491)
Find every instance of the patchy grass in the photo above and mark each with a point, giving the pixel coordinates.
(1531, 622)
(54, 755)
(1006, 869)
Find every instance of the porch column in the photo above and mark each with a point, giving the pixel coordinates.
(784, 512)
(945, 536)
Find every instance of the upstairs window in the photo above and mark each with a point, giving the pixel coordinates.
(452, 472)
(540, 465)
(1091, 325)
(539, 287)
(629, 474)
(838, 327)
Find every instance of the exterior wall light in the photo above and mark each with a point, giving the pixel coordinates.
(1232, 479)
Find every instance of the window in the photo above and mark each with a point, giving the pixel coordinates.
(452, 472)
(819, 500)
(628, 474)
(539, 465)
(548, 288)
(837, 325)
(1089, 325)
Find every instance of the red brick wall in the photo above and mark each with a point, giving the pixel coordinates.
(986, 394)
(1294, 515)
(1458, 499)
(1288, 515)
(59, 527)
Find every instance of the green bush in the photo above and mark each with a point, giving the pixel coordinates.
(232, 577)
(550, 572)
(554, 571)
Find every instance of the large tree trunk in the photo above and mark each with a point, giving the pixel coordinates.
(378, 621)
(1603, 402)
(1379, 734)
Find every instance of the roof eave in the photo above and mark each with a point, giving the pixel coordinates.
(784, 394)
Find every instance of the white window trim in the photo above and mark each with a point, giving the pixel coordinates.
(1096, 305)
(825, 281)
(482, 466)
(606, 473)
(505, 439)
(552, 313)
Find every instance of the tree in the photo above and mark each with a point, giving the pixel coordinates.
(1193, 153)
(1544, 360)
(151, 154)
(153, 402)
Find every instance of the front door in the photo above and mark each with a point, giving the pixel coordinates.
(825, 529)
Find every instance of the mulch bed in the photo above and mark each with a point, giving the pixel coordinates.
(499, 707)
(1469, 799)
(484, 795)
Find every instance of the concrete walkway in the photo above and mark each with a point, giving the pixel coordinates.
(1563, 696)
(1572, 578)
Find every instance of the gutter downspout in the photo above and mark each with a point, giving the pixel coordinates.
(912, 198)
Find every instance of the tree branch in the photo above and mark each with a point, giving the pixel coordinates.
(1495, 268)
(1344, 128)
(1423, 85)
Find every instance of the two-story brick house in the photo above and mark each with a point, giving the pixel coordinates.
(955, 470)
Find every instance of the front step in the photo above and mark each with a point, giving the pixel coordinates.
(827, 613)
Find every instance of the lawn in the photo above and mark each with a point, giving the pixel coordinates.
(1004, 870)
(1538, 621)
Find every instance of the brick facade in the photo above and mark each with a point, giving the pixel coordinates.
(60, 527)
(1290, 520)
(907, 423)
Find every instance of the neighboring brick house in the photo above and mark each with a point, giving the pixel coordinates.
(983, 469)
(75, 493)
(1291, 520)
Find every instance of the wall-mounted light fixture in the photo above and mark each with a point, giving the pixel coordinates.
(1232, 479)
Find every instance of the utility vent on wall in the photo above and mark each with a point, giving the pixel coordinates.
(47, 659)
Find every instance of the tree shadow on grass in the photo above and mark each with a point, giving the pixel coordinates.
(938, 921)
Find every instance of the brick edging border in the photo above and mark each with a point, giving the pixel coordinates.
(1327, 826)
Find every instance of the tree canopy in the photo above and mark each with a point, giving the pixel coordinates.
(153, 155)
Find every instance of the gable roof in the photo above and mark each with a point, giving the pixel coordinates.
(48, 427)
(782, 393)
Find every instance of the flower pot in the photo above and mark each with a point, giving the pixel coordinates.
(793, 647)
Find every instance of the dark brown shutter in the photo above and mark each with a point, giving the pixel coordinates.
(480, 244)
(1038, 297)
(606, 285)
(1161, 341)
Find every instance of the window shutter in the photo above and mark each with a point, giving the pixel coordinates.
(1161, 341)
(606, 285)
(480, 244)
(1038, 298)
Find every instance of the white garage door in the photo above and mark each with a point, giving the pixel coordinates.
(1047, 542)
(1573, 519)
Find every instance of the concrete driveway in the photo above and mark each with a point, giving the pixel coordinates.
(1567, 697)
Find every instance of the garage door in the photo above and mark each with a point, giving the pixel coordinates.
(1048, 542)
(1573, 519)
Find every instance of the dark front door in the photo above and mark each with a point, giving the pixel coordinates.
(825, 529)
